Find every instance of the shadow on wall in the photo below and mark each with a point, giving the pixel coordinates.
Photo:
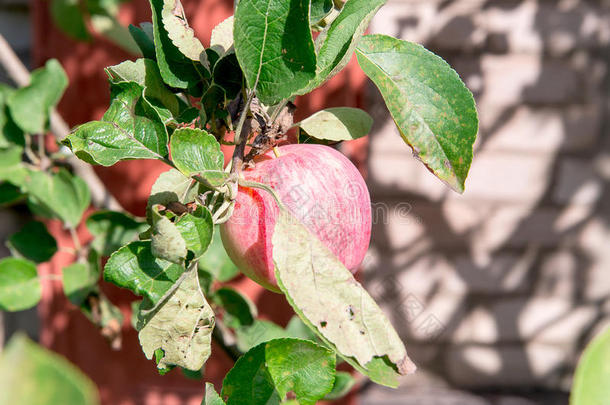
(504, 285)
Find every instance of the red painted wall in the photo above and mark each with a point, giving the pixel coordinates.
(125, 376)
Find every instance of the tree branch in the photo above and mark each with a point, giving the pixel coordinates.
(100, 196)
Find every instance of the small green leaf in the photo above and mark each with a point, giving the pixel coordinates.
(10, 133)
(135, 267)
(181, 327)
(68, 16)
(32, 375)
(111, 230)
(62, 195)
(146, 73)
(211, 396)
(342, 386)
(434, 111)
(269, 371)
(334, 305)
(228, 75)
(259, 331)
(181, 35)
(171, 186)
(194, 151)
(239, 309)
(337, 124)
(127, 131)
(143, 36)
(319, 10)
(176, 69)
(222, 37)
(10, 194)
(19, 285)
(296, 328)
(217, 262)
(590, 386)
(112, 29)
(30, 105)
(274, 46)
(79, 280)
(34, 242)
(196, 230)
(336, 44)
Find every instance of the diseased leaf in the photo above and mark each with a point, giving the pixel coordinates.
(590, 386)
(337, 124)
(167, 241)
(181, 35)
(181, 327)
(61, 195)
(330, 301)
(176, 69)
(33, 242)
(434, 111)
(134, 267)
(19, 285)
(30, 105)
(196, 230)
(32, 375)
(211, 396)
(222, 37)
(269, 371)
(112, 230)
(274, 46)
(127, 131)
(171, 186)
(336, 44)
(194, 151)
(146, 73)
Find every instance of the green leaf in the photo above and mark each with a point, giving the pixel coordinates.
(181, 327)
(146, 73)
(34, 242)
(319, 10)
(590, 386)
(196, 230)
(337, 124)
(342, 386)
(211, 396)
(111, 230)
(171, 186)
(79, 280)
(239, 309)
(434, 111)
(222, 37)
(296, 328)
(62, 194)
(10, 194)
(336, 44)
(194, 151)
(217, 262)
(127, 131)
(30, 105)
(10, 133)
(143, 36)
(176, 69)
(112, 29)
(248, 336)
(330, 301)
(228, 75)
(19, 285)
(68, 16)
(269, 371)
(274, 47)
(32, 375)
(135, 267)
(181, 35)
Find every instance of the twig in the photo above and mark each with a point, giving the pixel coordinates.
(225, 339)
(21, 76)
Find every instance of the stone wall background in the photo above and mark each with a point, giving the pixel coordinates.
(504, 285)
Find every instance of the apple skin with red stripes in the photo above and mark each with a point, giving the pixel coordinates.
(320, 187)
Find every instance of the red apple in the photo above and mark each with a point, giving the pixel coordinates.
(320, 187)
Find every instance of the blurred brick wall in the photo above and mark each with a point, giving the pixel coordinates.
(503, 285)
